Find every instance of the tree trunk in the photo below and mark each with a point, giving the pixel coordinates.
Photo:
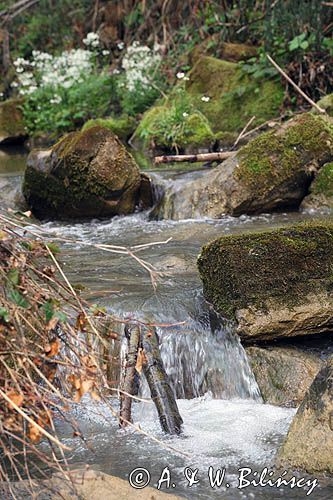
(129, 385)
(160, 389)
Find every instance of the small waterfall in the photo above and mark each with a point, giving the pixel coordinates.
(203, 360)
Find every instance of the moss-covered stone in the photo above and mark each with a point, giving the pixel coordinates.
(272, 271)
(123, 126)
(86, 174)
(273, 171)
(12, 128)
(272, 156)
(233, 98)
(164, 127)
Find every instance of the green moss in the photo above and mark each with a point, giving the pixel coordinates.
(169, 127)
(11, 119)
(123, 126)
(234, 97)
(323, 183)
(272, 156)
(284, 264)
(327, 104)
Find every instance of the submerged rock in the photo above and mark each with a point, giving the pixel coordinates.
(86, 174)
(272, 171)
(276, 283)
(309, 443)
(12, 130)
(283, 374)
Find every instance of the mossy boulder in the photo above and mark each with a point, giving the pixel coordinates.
(271, 172)
(309, 443)
(12, 130)
(277, 283)
(283, 374)
(321, 189)
(222, 93)
(123, 126)
(86, 174)
(164, 127)
(234, 98)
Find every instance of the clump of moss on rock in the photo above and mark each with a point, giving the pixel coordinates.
(12, 129)
(273, 156)
(123, 126)
(86, 174)
(272, 271)
(166, 127)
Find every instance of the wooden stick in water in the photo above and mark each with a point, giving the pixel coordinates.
(193, 158)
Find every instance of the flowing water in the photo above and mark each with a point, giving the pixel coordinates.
(225, 422)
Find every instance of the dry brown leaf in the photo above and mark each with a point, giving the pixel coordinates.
(141, 360)
(53, 348)
(16, 398)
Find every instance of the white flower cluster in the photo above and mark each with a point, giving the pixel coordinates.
(56, 71)
(92, 40)
(139, 64)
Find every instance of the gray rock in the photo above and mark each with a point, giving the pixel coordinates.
(283, 374)
(309, 443)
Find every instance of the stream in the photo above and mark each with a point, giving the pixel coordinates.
(225, 422)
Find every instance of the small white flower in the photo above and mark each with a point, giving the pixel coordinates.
(180, 75)
(186, 78)
(185, 115)
(121, 45)
(205, 98)
(105, 52)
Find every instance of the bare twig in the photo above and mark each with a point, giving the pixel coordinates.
(296, 87)
(242, 134)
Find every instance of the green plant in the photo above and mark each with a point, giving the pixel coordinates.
(88, 99)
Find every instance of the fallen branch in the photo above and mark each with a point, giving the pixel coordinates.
(296, 87)
(194, 158)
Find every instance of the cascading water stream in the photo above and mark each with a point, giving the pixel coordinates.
(225, 424)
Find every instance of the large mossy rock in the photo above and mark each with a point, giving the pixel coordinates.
(309, 443)
(86, 174)
(234, 98)
(272, 171)
(277, 283)
(283, 374)
(12, 130)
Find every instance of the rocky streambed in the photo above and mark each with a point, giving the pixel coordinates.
(268, 283)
